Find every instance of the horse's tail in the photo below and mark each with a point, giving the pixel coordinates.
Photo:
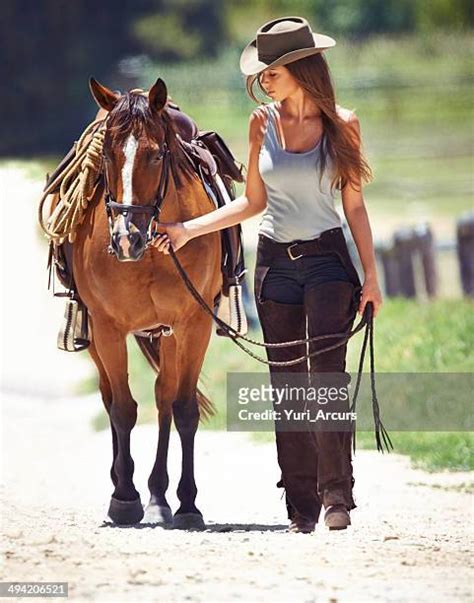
(151, 351)
(206, 406)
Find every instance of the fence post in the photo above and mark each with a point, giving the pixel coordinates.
(465, 251)
(389, 261)
(404, 242)
(426, 248)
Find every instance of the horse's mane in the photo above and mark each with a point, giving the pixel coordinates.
(132, 114)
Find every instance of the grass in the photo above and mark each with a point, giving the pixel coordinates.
(435, 451)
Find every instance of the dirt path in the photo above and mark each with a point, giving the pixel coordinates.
(410, 539)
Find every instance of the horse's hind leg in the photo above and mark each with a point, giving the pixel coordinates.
(158, 509)
(125, 505)
(106, 393)
(192, 348)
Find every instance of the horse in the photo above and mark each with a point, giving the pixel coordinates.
(129, 287)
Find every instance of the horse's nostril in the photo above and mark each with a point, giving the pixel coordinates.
(115, 241)
(137, 244)
(136, 240)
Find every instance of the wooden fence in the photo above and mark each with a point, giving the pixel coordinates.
(413, 249)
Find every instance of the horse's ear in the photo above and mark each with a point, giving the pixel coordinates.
(158, 95)
(105, 98)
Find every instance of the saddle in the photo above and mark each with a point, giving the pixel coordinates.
(217, 169)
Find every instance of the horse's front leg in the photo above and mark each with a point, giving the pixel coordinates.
(192, 345)
(125, 505)
(106, 392)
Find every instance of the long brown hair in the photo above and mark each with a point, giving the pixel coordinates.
(313, 75)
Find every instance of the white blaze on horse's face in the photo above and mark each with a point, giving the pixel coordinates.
(121, 229)
(129, 151)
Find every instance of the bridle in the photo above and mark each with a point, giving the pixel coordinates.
(111, 204)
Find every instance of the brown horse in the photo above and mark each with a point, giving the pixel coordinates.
(147, 176)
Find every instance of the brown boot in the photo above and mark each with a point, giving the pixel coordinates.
(301, 525)
(337, 517)
(291, 510)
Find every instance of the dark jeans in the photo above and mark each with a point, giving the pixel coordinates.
(309, 296)
(287, 280)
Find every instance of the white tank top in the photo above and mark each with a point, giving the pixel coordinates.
(297, 208)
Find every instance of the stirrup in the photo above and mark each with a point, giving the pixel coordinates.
(232, 311)
(73, 335)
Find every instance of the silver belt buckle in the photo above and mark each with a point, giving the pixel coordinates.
(293, 257)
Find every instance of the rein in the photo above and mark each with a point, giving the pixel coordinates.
(381, 433)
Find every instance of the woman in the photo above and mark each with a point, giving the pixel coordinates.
(302, 146)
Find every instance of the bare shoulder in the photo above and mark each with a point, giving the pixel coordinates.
(347, 115)
(257, 123)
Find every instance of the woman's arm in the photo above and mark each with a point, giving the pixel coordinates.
(358, 220)
(252, 202)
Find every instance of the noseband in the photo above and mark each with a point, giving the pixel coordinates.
(111, 204)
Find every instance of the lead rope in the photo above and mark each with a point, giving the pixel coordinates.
(367, 321)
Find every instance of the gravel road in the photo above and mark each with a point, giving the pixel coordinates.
(410, 539)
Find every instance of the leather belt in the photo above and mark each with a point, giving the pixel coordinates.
(298, 249)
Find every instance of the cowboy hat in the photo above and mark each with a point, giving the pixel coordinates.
(282, 41)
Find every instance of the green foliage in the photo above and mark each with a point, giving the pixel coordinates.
(170, 29)
(443, 14)
(182, 30)
(357, 19)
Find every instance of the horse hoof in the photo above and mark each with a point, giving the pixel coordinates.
(125, 512)
(158, 514)
(188, 521)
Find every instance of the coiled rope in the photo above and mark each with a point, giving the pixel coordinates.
(76, 185)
